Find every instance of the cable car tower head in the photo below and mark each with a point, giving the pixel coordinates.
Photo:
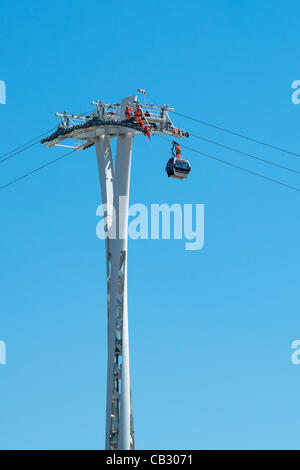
(130, 117)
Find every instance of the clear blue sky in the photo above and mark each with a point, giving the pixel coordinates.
(210, 331)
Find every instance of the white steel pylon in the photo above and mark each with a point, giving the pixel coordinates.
(106, 122)
(115, 196)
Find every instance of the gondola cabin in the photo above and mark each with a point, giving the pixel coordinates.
(178, 168)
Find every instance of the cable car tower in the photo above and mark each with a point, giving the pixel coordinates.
(123, 121)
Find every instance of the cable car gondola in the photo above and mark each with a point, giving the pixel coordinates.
(176, 166)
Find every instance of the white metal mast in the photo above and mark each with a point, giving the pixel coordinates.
(114, 183)
(109, 121)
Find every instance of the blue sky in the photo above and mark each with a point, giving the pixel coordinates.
(210, 331)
